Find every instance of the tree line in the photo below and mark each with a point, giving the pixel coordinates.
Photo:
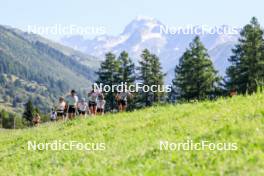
(195, 76)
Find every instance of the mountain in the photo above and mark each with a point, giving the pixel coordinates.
(145, 32)
(85, 59)
(34, 67)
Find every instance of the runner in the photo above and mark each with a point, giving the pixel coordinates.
(121, 98)
(61, 109)
(82, 107)
(93, 97)
(36, 120)
(100, 104)
(71, 101)
(233, 92)
(53, 115)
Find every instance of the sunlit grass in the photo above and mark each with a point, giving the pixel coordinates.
(132, 142)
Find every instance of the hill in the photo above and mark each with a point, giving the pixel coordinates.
(31, 59)
(132, 142)
(86, 59)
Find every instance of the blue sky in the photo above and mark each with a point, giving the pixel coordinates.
(115, 14)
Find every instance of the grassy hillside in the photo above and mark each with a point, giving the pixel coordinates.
(132, 142)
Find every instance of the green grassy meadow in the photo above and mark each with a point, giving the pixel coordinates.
(132, 142)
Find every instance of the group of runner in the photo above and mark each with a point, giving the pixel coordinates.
(70, 106)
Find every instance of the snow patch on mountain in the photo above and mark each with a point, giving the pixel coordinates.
(145, 32)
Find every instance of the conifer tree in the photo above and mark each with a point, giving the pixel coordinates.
(195, 76)
(158, 78)
(127, 75)
(247, 61)
(3, 116)
(150, 73)
(126, 71)
(29, 111)
(108, 74)
(144, 75)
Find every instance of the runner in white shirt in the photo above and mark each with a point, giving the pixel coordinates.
(93, 95)
(61, 107)
(93, 98)
(82, 107)
(72, 101)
